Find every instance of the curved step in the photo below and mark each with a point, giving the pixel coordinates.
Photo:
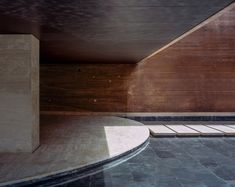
(72, 146)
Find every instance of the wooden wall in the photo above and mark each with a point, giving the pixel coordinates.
(195, 74)
(84, 88)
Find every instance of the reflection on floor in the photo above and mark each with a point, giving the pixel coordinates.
(173, 162)
(69, 142)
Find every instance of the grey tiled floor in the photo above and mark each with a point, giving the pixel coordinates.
(173, 162)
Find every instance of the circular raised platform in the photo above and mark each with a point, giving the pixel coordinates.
(73, 143)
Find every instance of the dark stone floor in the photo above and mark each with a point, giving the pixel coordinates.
(173, 162)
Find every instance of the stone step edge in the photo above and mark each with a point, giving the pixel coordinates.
(72, 174)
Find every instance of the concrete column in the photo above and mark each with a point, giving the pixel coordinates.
(19, 93)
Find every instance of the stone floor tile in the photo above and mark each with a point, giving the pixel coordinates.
(161, 130)
(182, 130)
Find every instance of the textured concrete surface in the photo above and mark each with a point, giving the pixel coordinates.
(110, 31)
(19, 93)
(71, 142)
(177, 162)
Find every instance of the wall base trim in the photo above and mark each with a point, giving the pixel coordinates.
(156, 116)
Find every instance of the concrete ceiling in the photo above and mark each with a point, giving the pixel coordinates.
(103, 31)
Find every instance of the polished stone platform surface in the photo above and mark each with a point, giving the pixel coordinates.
(69, 142)
(172, 162)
